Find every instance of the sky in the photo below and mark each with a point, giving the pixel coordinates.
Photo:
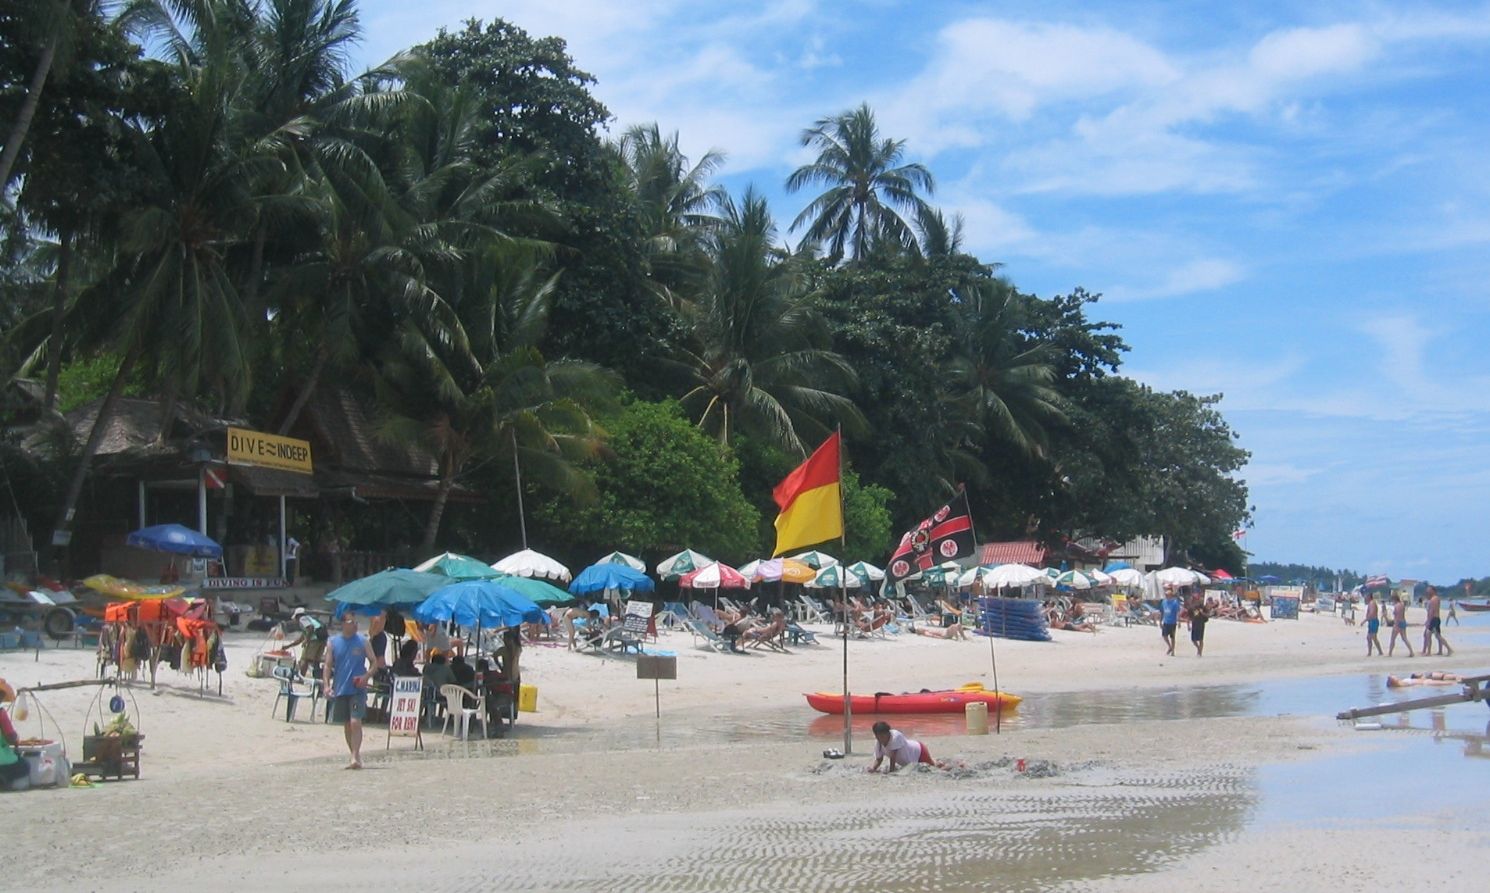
(1284, 203)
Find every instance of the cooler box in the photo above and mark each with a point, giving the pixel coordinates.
(527, 698)
(48, 764)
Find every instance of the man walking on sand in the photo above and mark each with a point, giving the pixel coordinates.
(1200, 612)
(345, 679)
(1169, 618)
(1433, 628)
(1399, 627)
(1373, 624)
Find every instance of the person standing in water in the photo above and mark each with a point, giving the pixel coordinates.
(1433, 628)
(1373, 625)
(1399, 627)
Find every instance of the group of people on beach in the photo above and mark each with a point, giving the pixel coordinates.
(1432, 626)
(1197, 613)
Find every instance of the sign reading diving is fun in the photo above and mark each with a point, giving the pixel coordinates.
(268, 450)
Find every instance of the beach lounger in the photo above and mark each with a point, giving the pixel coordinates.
(672, 614)
(776, 643)
(815, 610)
(798, 635)
(618, 638)
(712, 639)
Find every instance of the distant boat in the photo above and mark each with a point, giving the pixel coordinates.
(1473, 606)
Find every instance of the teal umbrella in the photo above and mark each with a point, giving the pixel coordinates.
(396, 586)
(630, 561)
(816, 560)
(537, 591)
(835, 577)
(457, 567)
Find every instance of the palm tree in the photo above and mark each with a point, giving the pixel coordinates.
(60, 21)
(759, 356)
(168, 299)
(866, 184)
(1002, 382)
(675, 202)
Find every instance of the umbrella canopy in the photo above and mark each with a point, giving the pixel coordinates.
(1222, 575)
(971, 575)
(457, 567)
(537, 591)
(1127, 576)
(397, 586)
(175, 539)
(630, 561)
(1117, 566)
(479, 603)
(867, 571)
(1179, 576)
(686, 561)
(528, 563)
(749, 568)
(1013, 575)
(816, 560)
(1099, 578)
(1073, 579)
(835, 577)
(600, 577)
(786, 569)
(714, 576)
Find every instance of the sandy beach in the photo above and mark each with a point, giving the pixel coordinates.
(1190, 789)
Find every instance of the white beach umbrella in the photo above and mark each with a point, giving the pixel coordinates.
(749, 568)
(835, 577)
(867, 571)
(1099, 578)
(1073, 579)
(969, 577)
(528, 563)
(815, 559)
(1127, 577)
(1013, 575)
(685, 562)
(1178, 576)
(630, 561)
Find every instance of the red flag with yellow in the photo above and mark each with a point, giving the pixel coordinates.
(809, 499)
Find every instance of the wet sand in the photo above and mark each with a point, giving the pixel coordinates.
(733, 794)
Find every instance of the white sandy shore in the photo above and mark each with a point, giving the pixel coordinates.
(229, 789)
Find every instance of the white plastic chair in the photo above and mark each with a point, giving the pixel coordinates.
(455, 702)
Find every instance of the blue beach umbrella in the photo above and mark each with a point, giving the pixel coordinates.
(600, 577)
(479, 603)
(175, 539)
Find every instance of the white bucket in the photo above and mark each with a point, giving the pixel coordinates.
(977, 718)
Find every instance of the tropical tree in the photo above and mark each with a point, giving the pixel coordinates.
(676, 204)
(866, 184)
(759, 356)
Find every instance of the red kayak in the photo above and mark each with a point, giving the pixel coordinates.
(950, 700)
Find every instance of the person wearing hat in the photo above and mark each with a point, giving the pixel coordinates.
(15, 775)
(312, 641)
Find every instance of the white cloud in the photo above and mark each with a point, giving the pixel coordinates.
(1199, 275)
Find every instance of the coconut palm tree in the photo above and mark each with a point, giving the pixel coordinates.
(866, 184)
(1001, 381)
(759, 356)
(675, 202)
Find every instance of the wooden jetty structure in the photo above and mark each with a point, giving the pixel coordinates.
(1472, 688)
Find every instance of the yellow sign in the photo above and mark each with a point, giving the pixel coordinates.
(268, 450)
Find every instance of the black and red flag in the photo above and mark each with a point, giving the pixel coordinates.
(944, 536)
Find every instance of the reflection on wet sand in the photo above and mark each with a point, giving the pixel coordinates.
(969, 835)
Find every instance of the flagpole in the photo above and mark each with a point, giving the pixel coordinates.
(998, 715)
(848, 707)
(517, 471)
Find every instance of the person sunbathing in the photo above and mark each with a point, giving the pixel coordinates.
(760, 634)
(1434, 678)
(952, 631)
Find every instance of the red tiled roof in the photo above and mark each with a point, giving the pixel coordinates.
(1022, 551)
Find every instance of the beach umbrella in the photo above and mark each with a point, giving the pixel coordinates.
(398, 586)
(816, 560)
(600, 577)
(1127, 576)
(675, 566)
(1117, 566)
(528, 563)
(541, 593)
(175, 539)
(630, 561)
(714, 576)
(783, 569)
(1074, 580)
(1013, 576)
(835, 577)
(479, 603)
(749, 570)
(457, 567)
(1179, 576)
(970, 576)
(1221, 575)
(1098, 578)
(867, 571)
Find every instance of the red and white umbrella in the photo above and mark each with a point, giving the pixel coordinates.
(714, 576)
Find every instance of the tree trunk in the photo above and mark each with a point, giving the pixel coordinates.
(59, 308)
(304, 396)
(251, 309)
(65, 512)
(22, 123)
(167, 410)
(437, 512)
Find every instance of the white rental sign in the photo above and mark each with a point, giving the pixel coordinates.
(403, 708)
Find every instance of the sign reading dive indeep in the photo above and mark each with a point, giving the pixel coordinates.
(268, 451)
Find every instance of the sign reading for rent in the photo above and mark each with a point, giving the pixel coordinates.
(268, 451)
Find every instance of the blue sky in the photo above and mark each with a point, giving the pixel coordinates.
(1288, 204)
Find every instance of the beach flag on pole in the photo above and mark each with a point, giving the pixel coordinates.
(811, 511)
(946, 535)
